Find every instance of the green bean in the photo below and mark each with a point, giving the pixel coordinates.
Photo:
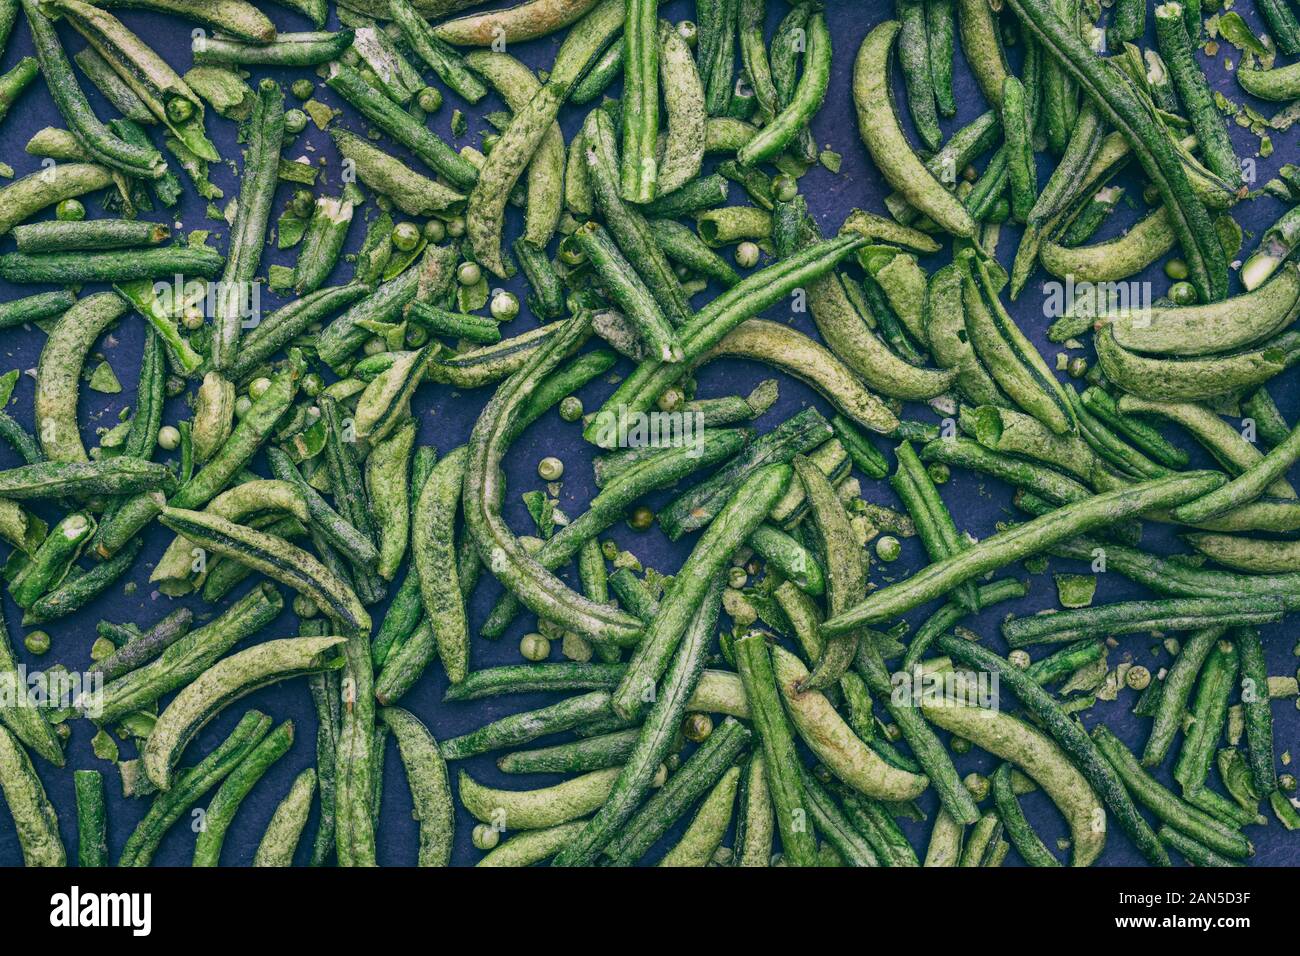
(527, 21)
(914, 56)
(36, 308)
(426, 773)
(349, 492)
(628, 227)
(1122, 108)
(1193, 851)
(190, 786)
(680, 244)
(579, 756)
(94, 234)
(1065, 661)
(1021, 173)
(1174, 614)
(226, 801)
(142, 294)
(1194, 92)
(92, 824)
(601, 74)
(1194, 378)
(23, 198)
(257, 189)
(807, 99)
(221, 684)
(328, 522)
(112, 476)
(639, 171)
(432, 552)
(390, 118)
(656, 737)
(412, 193)
(1147, 790)
(934, 524)
(537, 587)
(1246, 487)
(547, 297)
(34, 817)
(322, 243)
(1041, 481)
(734, 523)
(287, 49)
(1255, 704)
(981, 41)
(1269, 423)
(702, 193)
(1018, 829)
(284, 830)
(1209, 713)
(100, 145)
(517, 85)
(628, 292)
(704, 768)
(1072, 739)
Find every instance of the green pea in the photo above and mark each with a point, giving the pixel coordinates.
(1077, 367)
(785, 188)
(571, 408)
(303, 203)
(37, 642)
(179, 109)
(939, 472)
(258, 386)
(295, 121)
(689, 32)
(534, 647)
(670, 400)
(374, 345)
(697, 727)
(642, 518)
(468, 273)
(435, 231)
(1019, 658)
(1176, 269)
(550, 469)
(303, 89)
(747, 254)
(1138, 677)
(888, 548)
(504, 306)
(1182, 293)
(737, 578)
(429, 100)
(485, 837)
(456, 227)
(416, 336)
(406, 236)
(70, 210)
(242, 405)
(305, 606)
(976, 783)
(169, 438)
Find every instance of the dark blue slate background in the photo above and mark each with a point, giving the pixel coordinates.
(446, 418)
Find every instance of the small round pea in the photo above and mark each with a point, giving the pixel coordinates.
(785, 188)
(429, 100)
(179, 109)
(504, 306)
(303, 89)
(534, 647)
(976, 783)
(406, 236)
(689, 32)
(697, 727)
(1077, 367)
(295, 121)
(102, 649)
(242, 405)
(305, 606)
(821, 772)
(747, 254)
(670, 400)
(456, 227)
(416, 336)
(960, 745)
(169, 438)
(485, 837)
(1018, 659)
(192, 320)
(258, 386)
(1176, 269)
(642, 518)
(939, 472)
(970, 173)
(374, 345)
(63, 731)
(312, 383)
(570, 408)
(1182, 293)
(1286, 782)
(435, 230)
(888, 548)
(1138, 677)
(550, 468)
(37, 642)
(737, 578)
(303, 203)
(468, 273)
(70, 210)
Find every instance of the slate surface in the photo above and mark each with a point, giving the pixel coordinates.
(446, 418)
